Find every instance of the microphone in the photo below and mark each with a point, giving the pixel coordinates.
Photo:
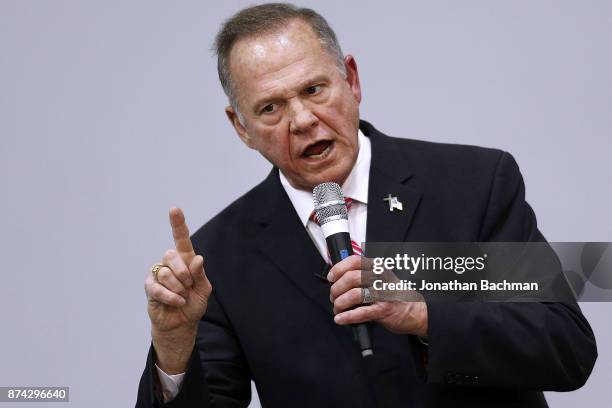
(332, 215)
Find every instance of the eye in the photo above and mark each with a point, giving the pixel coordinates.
(268, 108)
(313, 90)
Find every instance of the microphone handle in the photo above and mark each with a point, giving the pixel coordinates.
(339, 246)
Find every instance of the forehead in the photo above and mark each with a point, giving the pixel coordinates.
(290, 54)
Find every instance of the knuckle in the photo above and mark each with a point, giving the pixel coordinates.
(180, 290)
(384, 307)
(355, 278)
(355, 260)
(333, 295)
(155, 292)
(184, 276)
(338, 269)
(344, 288)
(164, 274)
(182, 271)
(173, 286)
(149, 284)
(169, 254)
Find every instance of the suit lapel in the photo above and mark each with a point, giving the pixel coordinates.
(389, 174)
(285, 242)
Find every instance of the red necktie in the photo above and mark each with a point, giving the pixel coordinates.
(356, 248)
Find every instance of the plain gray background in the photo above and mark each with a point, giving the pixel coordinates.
(111, 112)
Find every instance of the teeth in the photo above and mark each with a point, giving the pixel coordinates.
(322, 154)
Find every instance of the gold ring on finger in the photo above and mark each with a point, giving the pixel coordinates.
(155, 270)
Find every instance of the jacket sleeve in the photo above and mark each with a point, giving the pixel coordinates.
(531, 346)
(217, 375)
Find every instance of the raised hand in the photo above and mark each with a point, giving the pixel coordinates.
(177, 293)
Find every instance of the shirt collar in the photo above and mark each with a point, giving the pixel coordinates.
(355, 186)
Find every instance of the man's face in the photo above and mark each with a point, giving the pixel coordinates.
(298, 110)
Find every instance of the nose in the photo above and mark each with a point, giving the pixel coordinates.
(302, 117)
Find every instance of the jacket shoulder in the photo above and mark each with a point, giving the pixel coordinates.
(422, 155)
(448, 155)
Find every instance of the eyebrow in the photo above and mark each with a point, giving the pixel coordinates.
(260, 103)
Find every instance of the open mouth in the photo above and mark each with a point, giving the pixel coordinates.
(318, 150)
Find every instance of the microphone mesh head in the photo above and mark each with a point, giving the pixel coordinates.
(329, 202)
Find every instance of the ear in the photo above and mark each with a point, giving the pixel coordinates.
(239, 127)
(352, 76)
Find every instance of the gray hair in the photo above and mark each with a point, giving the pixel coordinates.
(267, 19)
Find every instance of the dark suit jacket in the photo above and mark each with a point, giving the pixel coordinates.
(270, 318)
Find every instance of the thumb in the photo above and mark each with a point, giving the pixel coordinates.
(196, 268)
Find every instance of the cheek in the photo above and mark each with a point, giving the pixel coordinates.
(342, 108)
(274, 144)
(350, 105)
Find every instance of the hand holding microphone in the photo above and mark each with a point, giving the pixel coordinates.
(400, 317)
(347, 293)
(332, 216)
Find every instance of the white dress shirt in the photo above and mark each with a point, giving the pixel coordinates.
(355, 187)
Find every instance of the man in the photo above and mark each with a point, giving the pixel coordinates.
(273, 314)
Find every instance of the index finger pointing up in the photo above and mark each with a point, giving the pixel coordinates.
(180, 233)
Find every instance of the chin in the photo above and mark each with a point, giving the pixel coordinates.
(331, 176)
(337, 173)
